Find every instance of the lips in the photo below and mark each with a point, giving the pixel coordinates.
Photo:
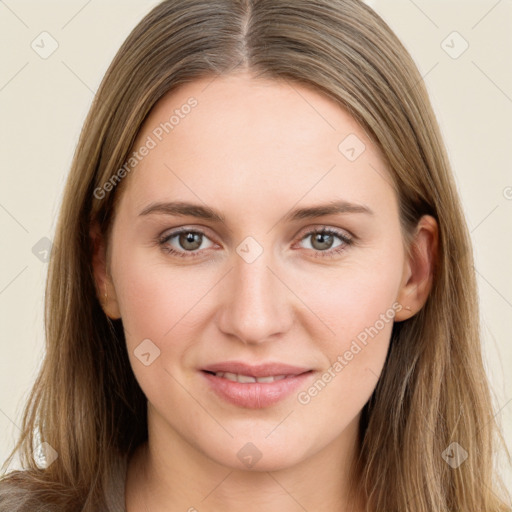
(262, 370)
(255, 387)
(244, 379)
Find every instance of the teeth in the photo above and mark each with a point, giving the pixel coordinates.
(266, 379)
(247, 378)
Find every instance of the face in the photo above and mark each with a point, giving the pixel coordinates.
(252, 274)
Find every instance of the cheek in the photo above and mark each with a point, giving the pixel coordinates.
(155, 298)
(358, 304)
(362, 320)
(161, 303)
(352, 299)
(154, 303)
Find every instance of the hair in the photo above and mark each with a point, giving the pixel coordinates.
(433, 390)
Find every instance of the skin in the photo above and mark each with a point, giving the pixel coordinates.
(254, 149)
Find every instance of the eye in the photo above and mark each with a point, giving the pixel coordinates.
(189, 243)
(185, 242)
(322, 241)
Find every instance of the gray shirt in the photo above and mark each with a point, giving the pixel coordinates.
(116, 488)
(14, 499)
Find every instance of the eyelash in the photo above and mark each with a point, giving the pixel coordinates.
(329, 253)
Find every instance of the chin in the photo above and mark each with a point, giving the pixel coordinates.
(258, 455)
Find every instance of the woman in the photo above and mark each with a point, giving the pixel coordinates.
(262, 294)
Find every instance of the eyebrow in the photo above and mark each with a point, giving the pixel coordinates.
(205, 212)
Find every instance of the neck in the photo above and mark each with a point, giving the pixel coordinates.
(174, 476)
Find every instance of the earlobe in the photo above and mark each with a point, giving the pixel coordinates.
(105, 289)
(419, 269)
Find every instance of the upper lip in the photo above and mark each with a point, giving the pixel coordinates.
(260, 370)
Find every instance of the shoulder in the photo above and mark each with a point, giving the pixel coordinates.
(24, 491)
(115, 485)
(13, 498)
(17, 496)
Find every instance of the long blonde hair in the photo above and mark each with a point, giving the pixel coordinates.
(433, 390)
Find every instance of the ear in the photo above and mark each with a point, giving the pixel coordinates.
(103, 281)
(419, 269)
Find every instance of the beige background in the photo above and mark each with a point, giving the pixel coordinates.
(43, 103)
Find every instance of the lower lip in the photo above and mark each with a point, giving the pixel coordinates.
(256, 395)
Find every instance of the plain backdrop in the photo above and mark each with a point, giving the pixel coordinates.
(463, 50)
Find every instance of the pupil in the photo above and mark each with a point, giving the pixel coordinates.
(324, 239)
(187, 239)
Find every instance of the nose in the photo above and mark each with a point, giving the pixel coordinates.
(256, 304)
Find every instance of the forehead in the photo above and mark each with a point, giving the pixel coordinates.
(278, 113)
(238, 133)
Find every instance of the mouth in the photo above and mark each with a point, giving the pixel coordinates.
(255, 387)
(245, 379)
